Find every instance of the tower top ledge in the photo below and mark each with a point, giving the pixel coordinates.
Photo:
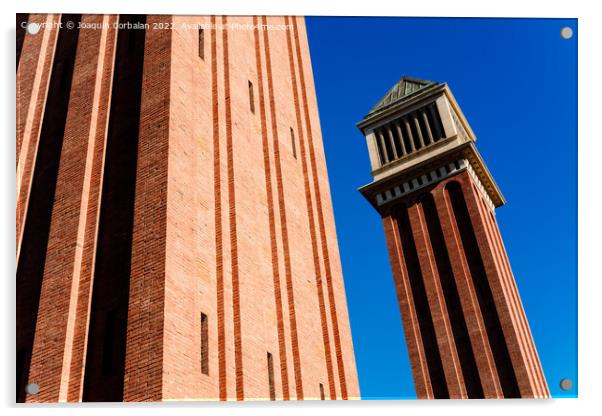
(414, 128)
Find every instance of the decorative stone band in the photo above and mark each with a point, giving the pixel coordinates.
(429, 178)
(480, 187)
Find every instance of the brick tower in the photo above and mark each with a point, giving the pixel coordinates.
(465, 327)
(174, 227)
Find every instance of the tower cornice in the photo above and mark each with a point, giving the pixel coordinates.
(417, 135)
(382, 193)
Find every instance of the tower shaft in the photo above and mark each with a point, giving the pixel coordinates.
(465, 326)
(175, 232)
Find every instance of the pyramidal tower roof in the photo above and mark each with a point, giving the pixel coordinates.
(404, 88)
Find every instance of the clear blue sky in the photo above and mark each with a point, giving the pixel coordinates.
(516, 81)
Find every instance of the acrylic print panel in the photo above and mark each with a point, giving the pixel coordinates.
(179, 179)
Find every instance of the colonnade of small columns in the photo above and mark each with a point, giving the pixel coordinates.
(408, 134)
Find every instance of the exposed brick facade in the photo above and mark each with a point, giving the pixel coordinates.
(172, 197)
(465, 327)
(524, 364)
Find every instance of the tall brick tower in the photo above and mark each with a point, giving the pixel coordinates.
(175, 235)
(465, 327)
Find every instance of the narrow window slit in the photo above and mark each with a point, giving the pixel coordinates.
(202, 43)
(251, 98)
(271, 377)
(293, 144)
(204, 344)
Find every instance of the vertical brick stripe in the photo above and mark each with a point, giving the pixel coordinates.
(21, 20)
(84, 297)
(502, 339)
(411, 326)
(30, 109)
(310, 215)
(325, 254)
(418, 287)
(30, 82)
(470, 306)
(144, 347)
(219, 257)
(58, 177)
(545, 392)
(271, 218)
(503, 276)
(90, 52)
(232, 216)
(509, 284)
(437, 305)
(467, 362)
(503, 302)
(106, 346)
(109, 267)
(283, 223)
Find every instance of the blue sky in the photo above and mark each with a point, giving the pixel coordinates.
(516, 81)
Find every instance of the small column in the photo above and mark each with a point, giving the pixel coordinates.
(418, 130)
(410, 137)
(400, 134)
(383, 147)
(429, 133)
(392, 141)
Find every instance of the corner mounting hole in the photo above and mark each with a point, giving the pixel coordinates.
(566, 32)
(32, 388)
(33, 28)
(566, 384)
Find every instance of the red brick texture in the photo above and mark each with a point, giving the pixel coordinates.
(522, 348)
(147, 297)
(499, 336)
(33, 76)
(56, 358)
(227, 221)
(476, 327)
(422, 381)
(321, 199)
(283, 218)
(271, 215)
(92, 189)
(441, 320)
